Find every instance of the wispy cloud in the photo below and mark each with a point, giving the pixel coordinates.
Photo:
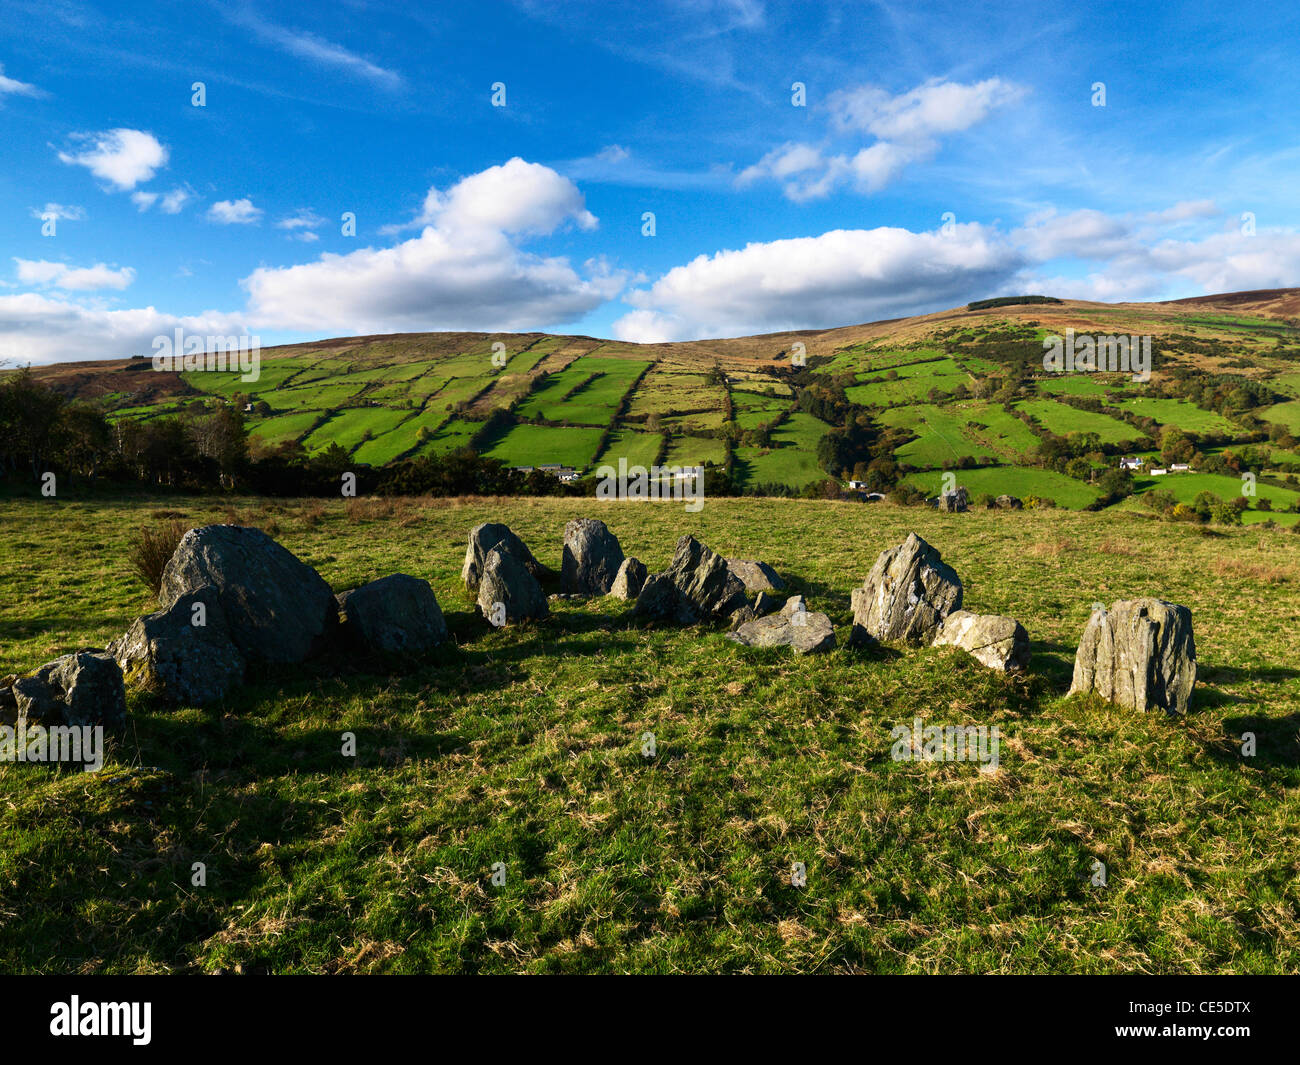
(316, 49)
(13, 87)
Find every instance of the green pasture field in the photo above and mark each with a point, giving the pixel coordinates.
(524, 747)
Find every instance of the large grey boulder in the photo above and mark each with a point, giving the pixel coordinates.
(507, 592)
(1140, 654)
(908, 593)
(278, 609)
(184, 654)
(1008, 503)
(755, 576)
(592, 557)
(794, 627)
(83, 688)
(955, 501)
(398, 614)
(482, 539)
(629, 579)
(998, 642)
(696, 586)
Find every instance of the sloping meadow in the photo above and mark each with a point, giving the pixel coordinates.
(589, 794)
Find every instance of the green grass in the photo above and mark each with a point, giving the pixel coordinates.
(640, 449)
(792, 459)
(536, 445)
(1064, 420)
(1185, 487)
(944, 434)
(695, 451)
(523, 746)
(1177, 412)
(350, 427)
(284, 427)
(1020, 481)
(1287, 414)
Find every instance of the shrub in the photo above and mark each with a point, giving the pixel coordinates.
(152, 549)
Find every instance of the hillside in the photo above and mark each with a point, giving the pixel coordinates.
(960, 389)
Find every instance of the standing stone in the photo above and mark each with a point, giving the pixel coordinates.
(83, 688)
(277, 607)
(482, 539)
(592, 557)
(794, 627)
(507, 592)
(1140, 653)
(955, 501)
(184, 654)
(696, 586)
(398, 614)
(756, 576)
(908, 593)
(998, 642)
(629, 579)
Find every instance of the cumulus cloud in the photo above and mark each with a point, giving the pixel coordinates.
(906, 129)
(848, 276)
(74, 279)
(834, 279)
(466, 270)
(39, 329)
(122, 157)
(234, 212)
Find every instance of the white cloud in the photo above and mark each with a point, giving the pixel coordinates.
(83, 279)
(39, 329)
(906, 128)
(303, 218)
(849, 276)
(838, 278)
(516, 197)
(931, 109)
(123, 157)
(60, 212)
(12, 87)
(318, 50)
(234, 212)
(302, 225)
(171, 202)
(466, 269)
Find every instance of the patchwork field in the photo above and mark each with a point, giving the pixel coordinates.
(524, 747)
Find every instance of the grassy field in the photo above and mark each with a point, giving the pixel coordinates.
(1064, 420)
(1019, 481)
(1181, 414)
(523, 747)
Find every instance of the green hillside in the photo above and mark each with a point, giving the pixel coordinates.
(962, 391)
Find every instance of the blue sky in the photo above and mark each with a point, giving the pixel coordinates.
(945, 152)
